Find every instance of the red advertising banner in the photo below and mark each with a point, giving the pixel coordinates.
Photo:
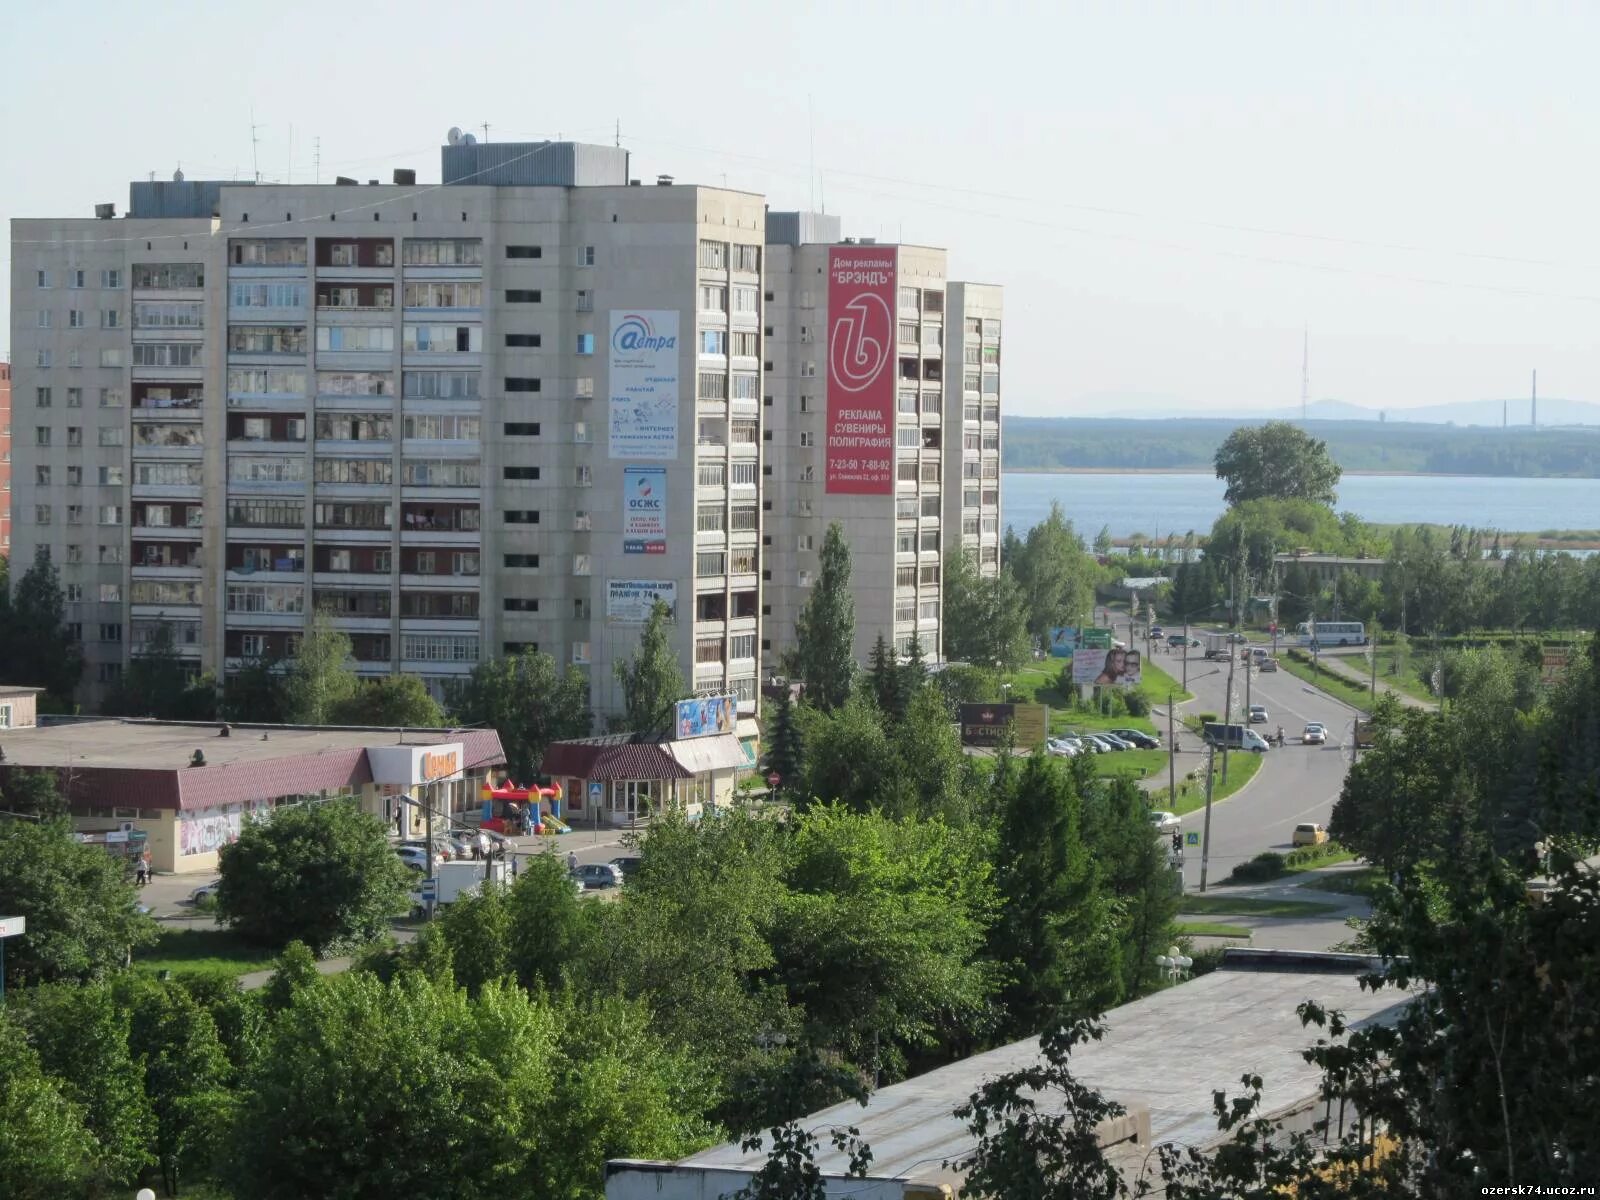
(861, 370)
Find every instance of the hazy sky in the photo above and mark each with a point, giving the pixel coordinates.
(1168, 193)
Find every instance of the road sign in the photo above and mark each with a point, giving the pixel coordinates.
(597, 792)
(1192, 838)
(13, 926)
(429, 890)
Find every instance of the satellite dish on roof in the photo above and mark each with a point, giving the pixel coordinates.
(454, 136)
(468, 139)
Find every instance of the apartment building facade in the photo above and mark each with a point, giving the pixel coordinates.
(883, 415)
(5, 458)
(457, 418)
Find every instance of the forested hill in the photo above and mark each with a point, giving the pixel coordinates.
(1045, 443)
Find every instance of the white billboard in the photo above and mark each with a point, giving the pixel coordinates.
(644, 383)
(629, 601)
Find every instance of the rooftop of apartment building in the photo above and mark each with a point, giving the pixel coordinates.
(1163, 1057)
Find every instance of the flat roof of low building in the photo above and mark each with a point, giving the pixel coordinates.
(1166, 1053)
(146, 764)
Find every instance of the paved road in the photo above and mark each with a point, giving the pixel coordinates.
(1295, 784)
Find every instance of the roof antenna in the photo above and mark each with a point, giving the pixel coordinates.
(486, 132)
(618, 142)
(255, 142)
(811, 171)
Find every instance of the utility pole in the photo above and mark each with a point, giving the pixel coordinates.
(1227, 716)
(1186, 654)
(1205, 838)
(431, 881)
(1172, 755)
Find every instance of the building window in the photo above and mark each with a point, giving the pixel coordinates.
(586, 256)
(443, 252)
(523, 296)
(521, 516)
(711, 386)
(519, 604)
(746, 299)
(522, 340)
(710, 518)
(524, 251)
(909, 298)
(521, 562)
(713, 299)
(585, 343)
(520, 383)
(43, 359)
(519, 473)
(713, 341)
(585, 300)
(714, 256)
(111, 593)
(522, 428)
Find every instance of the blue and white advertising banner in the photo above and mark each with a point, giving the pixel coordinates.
(629, 601)
(644, 383)
(706, 715)
(644, 510)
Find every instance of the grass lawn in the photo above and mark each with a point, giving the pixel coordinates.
(1337, 686)
(1242, 768)
(1235, 906)
(1211, 929)
(201, 952)
(1346, 883)
(1398, 669)
(1133, 763)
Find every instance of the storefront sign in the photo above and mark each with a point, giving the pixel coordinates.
(408, 766)
(986, 724)
(708, 714)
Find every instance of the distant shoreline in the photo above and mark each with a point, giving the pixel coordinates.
(1200, 470)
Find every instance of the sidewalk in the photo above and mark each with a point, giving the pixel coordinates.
(1316, 931)
(1341, 668)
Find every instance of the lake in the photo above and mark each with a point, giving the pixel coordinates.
(1159, 504)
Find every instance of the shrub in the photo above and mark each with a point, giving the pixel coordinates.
(1137, 704)
(1265, 866)
(1205, 718)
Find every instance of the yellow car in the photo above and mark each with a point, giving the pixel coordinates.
(1309, 835)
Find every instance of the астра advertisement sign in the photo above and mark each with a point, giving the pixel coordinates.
(644, 383)
(644, 510)
(861, 370)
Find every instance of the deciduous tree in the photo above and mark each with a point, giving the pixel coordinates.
(985, 617)
(321, 873)
(1276, 461)
(652, 681)
(825, 630)
(528, 702)
(393, 700)
(35, 646)
(1056, 574)
(321, 679)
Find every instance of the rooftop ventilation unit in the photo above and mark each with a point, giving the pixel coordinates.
(104, 212)
(344, 181)
(405, 177)
(663, 180)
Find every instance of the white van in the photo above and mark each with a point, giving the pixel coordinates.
(1234, 737)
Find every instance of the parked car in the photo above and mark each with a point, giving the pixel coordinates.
(1063, 747)
(1309, 835)
(1315, 735)
(1165, 822)
(628, 864)
(1091, 745)
(1258, 714)
(202, 893)
(1117, 743)
(1102, 742)
(1141, 740)
(416, 858)
(595, 876)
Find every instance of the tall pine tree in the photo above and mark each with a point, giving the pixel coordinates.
(883, 677)
(651, 680)
(785, 750)
(35, 647)
(826, 629)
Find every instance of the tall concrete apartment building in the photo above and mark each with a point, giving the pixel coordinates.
(510, 410)
(5, 458)
(874, 353)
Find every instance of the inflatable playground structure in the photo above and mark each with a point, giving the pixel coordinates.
(506, 808)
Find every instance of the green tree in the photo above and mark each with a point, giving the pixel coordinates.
(32, 794)
(883, 679)
(1055, 936)
(1134, 874)
(879, 934)
(320, 679)
(81, 1035)
(393, 700)
(932, 773)
(785, 749)
(294, 969)
(985, 617)
(547, 931)
(255, 693)
(367, 1089)
(1055, 573)
(528, 702)
(35, 647)
(186, 1077)
(848, 757)
(1276, 461)
(81, 907)
(1102, 541)
(321, 873)
(478, 928)
(651, 680)
(825, 630)
(157, 684)
(45, 1151)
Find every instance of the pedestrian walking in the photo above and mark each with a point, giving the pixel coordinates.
(572, 860)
